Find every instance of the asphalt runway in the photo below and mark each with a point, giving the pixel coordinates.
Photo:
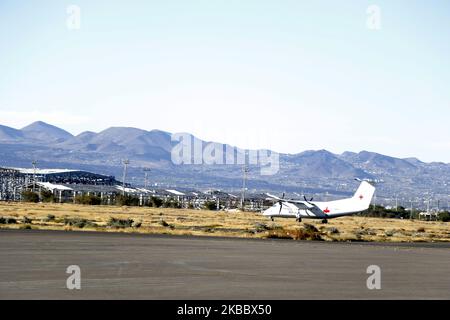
(124, 266)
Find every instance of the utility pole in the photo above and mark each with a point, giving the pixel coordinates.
(146, 171)
(34, 163)
(126, 162)
(411, 212)
(245, 170)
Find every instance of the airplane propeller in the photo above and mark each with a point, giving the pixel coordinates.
(312, 198)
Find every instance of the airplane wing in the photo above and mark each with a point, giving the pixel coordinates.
(298, 203)
(302, 204)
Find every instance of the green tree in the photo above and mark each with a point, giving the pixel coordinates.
(444, 216)
(30, 196)
(88, 200)
(127, 200)
(171, 203)
(210, 205)
(47, 196)
(155, 202)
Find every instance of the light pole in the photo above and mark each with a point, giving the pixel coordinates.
(126, 162)
(245, 170)
(375, 200)
(34, 163)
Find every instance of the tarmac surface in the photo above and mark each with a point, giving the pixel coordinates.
(33, 265)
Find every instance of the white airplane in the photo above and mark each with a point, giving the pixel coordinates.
(322, 210)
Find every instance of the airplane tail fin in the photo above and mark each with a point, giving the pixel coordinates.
(363, 196)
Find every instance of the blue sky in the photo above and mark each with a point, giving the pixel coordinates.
(285, 75)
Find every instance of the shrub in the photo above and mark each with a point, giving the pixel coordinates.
(25, 227)
(333, 230)
(210, 205)
(279, 234)
(310, 227)
(163, 223)
(261, 227)
(368, 232)
(274, 226)
(50, 217)
(389, 233)
(137, 224)
(120, 223)
(47, 196)
(127, 200)
(155, 202)
(421, 229)
(171, 203)
(26, 220)
(30, 196)
(307, 234)
(88, 200)
(7, 220)
(79, 223)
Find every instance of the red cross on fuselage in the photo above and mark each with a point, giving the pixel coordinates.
(361, 197)
(326, 210)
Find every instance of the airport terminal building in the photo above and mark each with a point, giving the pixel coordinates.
(68, 184)
(64, 183)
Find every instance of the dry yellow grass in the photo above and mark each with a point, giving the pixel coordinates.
(231, 224)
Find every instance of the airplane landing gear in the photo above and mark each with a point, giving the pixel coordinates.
(324, 221)
(271, 218)
(298, 219)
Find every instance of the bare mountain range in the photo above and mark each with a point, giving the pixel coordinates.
(312, 172)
